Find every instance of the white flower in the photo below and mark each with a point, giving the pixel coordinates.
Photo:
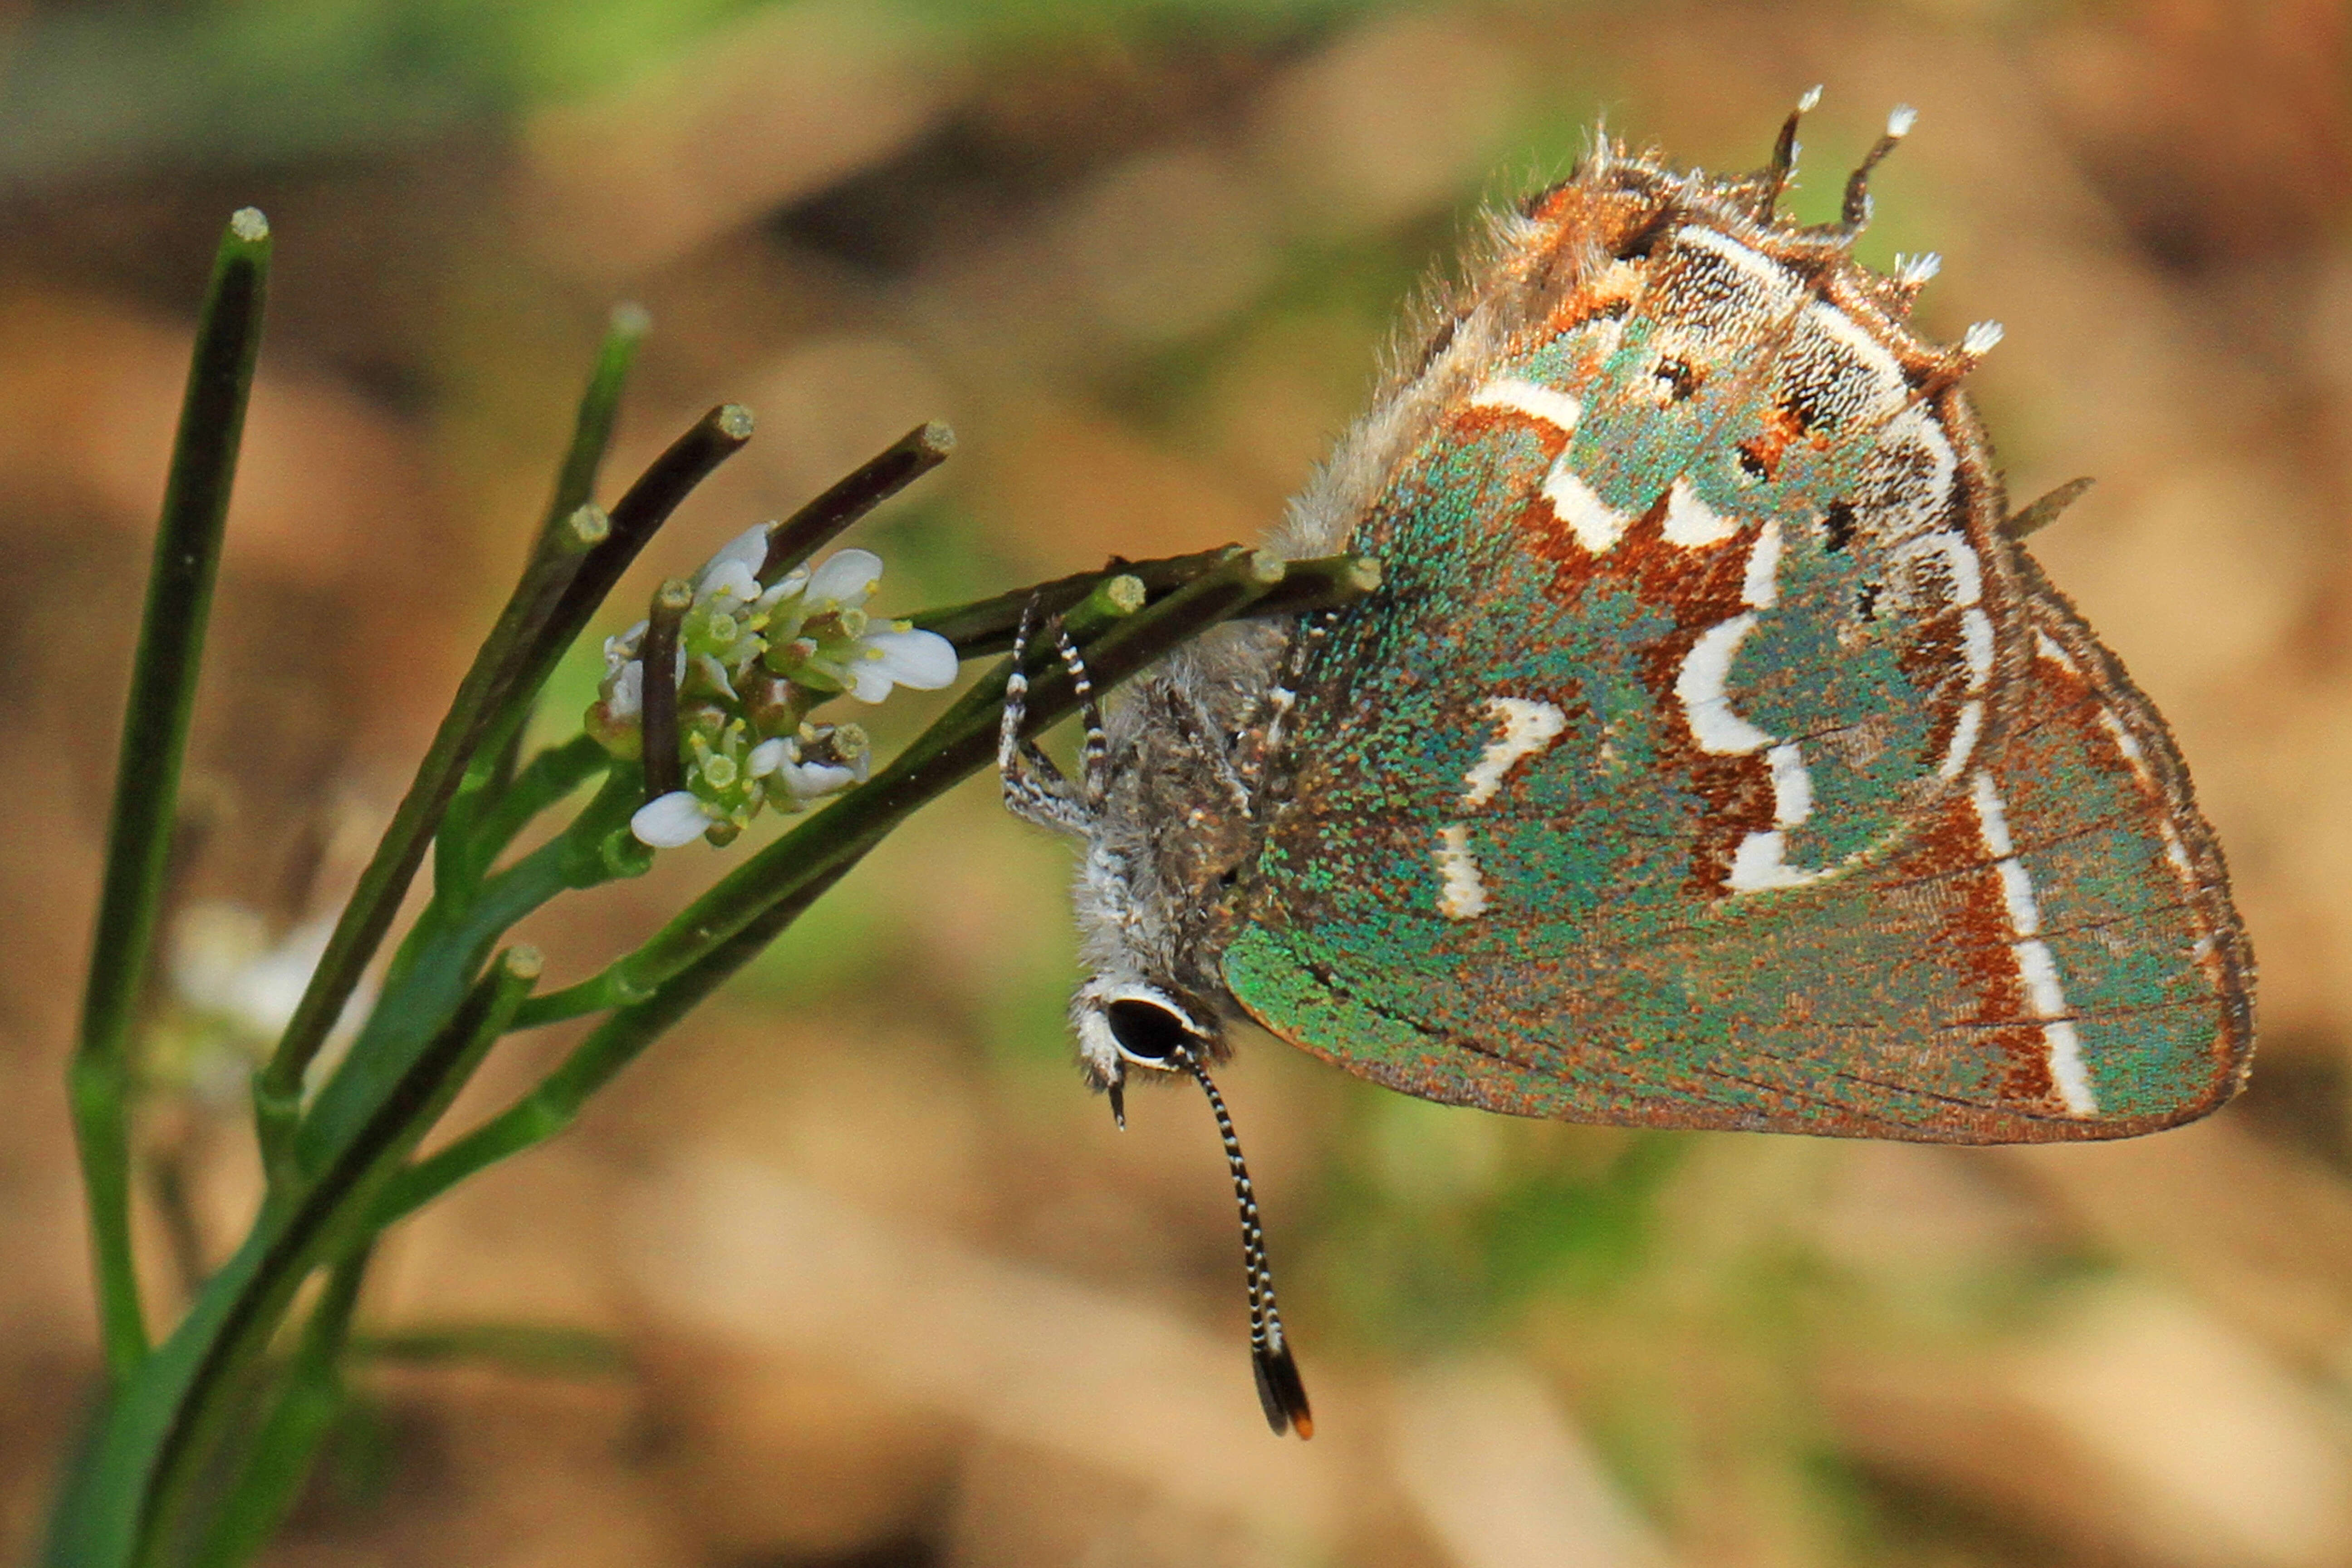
(808, 781)
(733, 571)
(921, 661)
(228, 968)
(621, 648)
(834, 648)
(840, 759)
(843, 579)
(754, 660)
(624, 693)
(669, 821)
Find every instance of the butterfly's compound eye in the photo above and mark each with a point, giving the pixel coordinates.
(1148, 1033)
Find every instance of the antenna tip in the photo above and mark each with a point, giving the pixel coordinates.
(1281, 1393)
(1899, 121)
(1811, 99)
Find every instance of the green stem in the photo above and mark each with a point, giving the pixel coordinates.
(123, 1504)
(846, 499)
(724, 929)
(599, 410)
(147, 772)
(439, 959)
(314, 1228)
(527, 1348)
(657, 704)
(566, 580)
(498, 715)
(549, 777)
(986, 625)
(575, 486)
(307, 1396)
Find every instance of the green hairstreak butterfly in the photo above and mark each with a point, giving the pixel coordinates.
(1713, 754)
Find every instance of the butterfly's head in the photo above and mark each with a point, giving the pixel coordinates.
(1125, 1024)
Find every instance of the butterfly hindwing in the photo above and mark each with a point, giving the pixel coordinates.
(1710, 759)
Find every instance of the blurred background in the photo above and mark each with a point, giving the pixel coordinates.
(851, 1270)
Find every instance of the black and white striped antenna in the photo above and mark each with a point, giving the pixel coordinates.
(1280, 1391)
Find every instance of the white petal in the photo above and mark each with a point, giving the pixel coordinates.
(269, 988)
(668, 821)
(714, 672)
(731, 578)
(621, 648)
(747, 551)
(806, 781)
(627, 698)
(869, 680)
(845, 577)
(922, 660)
(212, 944)
(766, 757)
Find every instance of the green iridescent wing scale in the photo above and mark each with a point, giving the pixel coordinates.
(1710, 758)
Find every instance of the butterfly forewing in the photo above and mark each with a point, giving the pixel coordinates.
(1712, 760)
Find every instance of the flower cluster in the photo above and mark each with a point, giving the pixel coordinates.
(752, 660)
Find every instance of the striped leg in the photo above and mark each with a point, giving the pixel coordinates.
(1094, 771)
(1035, 789)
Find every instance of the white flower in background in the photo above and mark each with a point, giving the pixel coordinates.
(241, 984)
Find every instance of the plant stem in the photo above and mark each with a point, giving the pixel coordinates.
(499, 728)
(846, 499)
(155, 726)
(308, 1397)
(575, 486)
(437, 962)
(657, 707)
(375, 900)
(123, 1501)
(653, 987)
(312, 1229)
(566, 580)
(545, 780)
(599, 410)
(986, 625)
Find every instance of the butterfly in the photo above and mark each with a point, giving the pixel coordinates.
(1712, 755)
